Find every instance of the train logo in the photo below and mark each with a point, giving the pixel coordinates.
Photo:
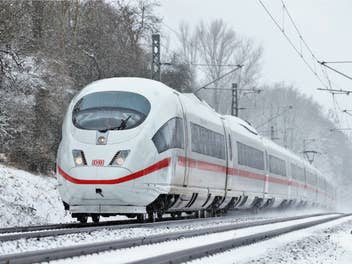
(98, 162)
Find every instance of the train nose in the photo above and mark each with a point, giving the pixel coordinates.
(97, 184)
(99, 175)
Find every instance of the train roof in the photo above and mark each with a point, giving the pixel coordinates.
(155, 89)
(146, 87)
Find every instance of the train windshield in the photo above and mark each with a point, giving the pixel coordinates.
(110, 110)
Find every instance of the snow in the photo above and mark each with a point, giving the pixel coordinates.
(141, 252)
(22, 245)
(28, 199)
(326, 243)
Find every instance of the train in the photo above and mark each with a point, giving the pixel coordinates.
(136, 147)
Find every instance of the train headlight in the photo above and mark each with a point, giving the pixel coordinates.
(78, 157)
(119, 158)
(101, 140)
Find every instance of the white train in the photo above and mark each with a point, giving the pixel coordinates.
(136, 147)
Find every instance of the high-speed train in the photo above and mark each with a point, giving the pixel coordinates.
(135, 147)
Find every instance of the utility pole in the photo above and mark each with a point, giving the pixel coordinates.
(235, 103)
(156, 71)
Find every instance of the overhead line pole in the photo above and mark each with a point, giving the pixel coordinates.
(156, 65)
(234, 104)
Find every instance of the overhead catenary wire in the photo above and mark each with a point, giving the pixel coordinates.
(336, 62)
(276, 116)
(335, 70)
(297, 30)
(300, 35)
(327, 87)
(217, 79)
(299, 53)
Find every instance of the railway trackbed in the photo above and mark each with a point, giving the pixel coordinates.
(177, 255)
(74, 228)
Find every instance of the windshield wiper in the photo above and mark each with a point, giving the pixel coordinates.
(122, 125)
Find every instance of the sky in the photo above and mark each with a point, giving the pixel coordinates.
(324, 24)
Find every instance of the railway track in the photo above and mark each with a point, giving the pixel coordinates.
(185, 255)
(66, 229)
(79, 250)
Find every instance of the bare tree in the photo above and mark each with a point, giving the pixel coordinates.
(217, 46)
(189, 51)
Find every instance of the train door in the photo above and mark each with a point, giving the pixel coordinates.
(228, 151)
(304, 190)
(289, 178)
(266, 183)
(182, 168)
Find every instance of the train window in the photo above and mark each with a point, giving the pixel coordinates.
(297, 172)
(277, 166)
(207, 142)
(110, 110)
(170, 135)
(250, 157)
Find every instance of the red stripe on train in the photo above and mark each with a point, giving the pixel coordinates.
(183, 161)
(155, 167)
(201, 165)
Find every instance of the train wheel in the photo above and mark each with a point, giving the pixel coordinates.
(151, 217)
(207, 213)
(160, 215)
(173, 215)
(141, 218)
(83, 219)
(202, 214)
(96, 218)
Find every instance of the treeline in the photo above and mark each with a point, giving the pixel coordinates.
(50, 49)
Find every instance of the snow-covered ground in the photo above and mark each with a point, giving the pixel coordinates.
(240, 255)
(327, 243)
(29, 199)
(107, 234)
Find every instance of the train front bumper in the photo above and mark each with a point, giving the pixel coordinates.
(103, 190)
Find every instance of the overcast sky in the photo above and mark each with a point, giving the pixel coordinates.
(324, 24)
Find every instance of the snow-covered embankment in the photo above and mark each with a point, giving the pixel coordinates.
(28, 199)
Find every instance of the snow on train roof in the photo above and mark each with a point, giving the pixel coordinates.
(153, 88)
(146, 87)
(276, 147)
(236, 122)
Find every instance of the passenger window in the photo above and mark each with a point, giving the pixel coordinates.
(170, 135)
(250, 157)
(207, 142)
(277, 166)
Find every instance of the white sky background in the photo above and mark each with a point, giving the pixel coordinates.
(326, 26)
